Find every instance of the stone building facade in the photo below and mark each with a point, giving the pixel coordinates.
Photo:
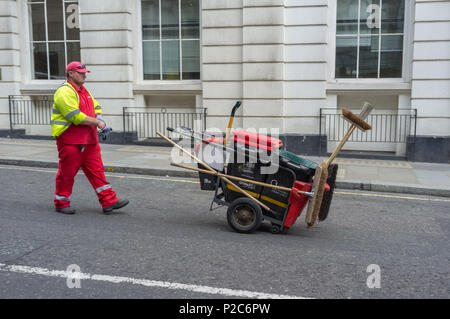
(288, 61)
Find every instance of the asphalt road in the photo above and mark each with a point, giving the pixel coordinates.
(167, 244)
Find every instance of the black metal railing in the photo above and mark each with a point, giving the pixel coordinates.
(29, 110)
(388, 126)
(145, 123)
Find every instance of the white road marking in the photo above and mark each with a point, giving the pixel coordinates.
(394, 196)
(115, 175)
(144, 282)
(167, 179)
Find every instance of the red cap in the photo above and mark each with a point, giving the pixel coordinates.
(77, 66)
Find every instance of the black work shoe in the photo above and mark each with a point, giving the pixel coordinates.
(116, 205)
(66, 210)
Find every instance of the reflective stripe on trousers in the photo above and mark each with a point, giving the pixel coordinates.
(102, 188)
(63, 198)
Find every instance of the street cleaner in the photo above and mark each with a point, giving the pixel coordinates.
(76, 116)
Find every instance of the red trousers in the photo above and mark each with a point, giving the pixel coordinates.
(72, 157)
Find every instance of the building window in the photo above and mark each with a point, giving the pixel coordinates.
(171, 39)
(55, 37)
(369, 38)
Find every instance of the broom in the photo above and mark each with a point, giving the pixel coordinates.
(321, 175)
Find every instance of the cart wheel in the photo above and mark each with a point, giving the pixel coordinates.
(244, 215)
(275, 229)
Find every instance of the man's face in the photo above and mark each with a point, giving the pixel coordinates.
(77, 77)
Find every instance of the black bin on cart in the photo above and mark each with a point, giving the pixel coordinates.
(303, 169)
(250, 171)
(277, 199)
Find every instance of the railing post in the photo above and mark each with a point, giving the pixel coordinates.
(320, 132)
(123, 119)
(204, 118)
(10, 113)
(415, 126)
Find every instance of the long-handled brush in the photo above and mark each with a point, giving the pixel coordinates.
(320, 177)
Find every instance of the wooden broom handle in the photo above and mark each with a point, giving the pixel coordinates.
(365, 111)
(238, 178)
(340, 145)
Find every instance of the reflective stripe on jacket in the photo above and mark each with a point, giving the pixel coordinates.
(66, 109)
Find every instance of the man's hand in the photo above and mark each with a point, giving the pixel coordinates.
(93, 121)
(101, 125)
(100, 117)
(106, 131)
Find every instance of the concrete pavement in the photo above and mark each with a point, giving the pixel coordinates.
(370, 175)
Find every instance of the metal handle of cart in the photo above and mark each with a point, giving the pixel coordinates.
(253, 154)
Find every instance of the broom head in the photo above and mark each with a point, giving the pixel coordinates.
(328, 196)
(320, 179)
(355, 120)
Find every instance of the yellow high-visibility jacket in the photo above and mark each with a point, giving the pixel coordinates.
(66, 109)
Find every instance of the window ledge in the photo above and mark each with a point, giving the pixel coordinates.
(41, 87)
(388, 86)
(165, 87)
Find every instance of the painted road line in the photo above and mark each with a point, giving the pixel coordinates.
(53, 171)
(394, 196)
(196, 182)
(144, 282)
(29, 169)
(37, 144)
(154, 178)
